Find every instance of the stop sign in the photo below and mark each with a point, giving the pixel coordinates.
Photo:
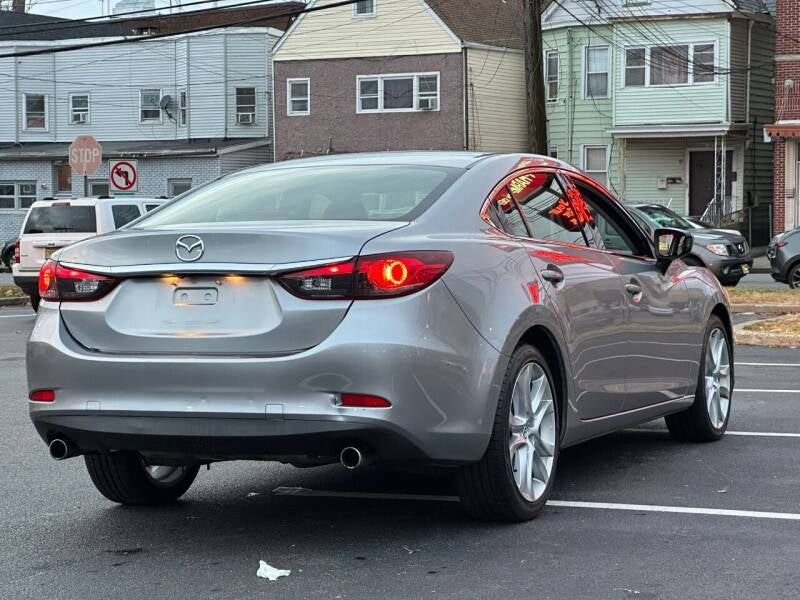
(85, 155)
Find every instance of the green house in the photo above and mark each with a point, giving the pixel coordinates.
(665, 101)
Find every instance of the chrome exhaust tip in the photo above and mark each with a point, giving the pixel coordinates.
(351, 457)
(59, 449)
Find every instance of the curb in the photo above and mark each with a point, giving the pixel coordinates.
(766, 309)
(16, 301)
(758, 338)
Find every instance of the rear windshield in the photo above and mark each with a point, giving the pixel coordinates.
(61, 219)
(328, 193)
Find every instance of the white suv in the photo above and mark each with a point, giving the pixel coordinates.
(52, 224)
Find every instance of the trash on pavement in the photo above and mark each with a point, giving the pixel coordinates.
(271, 573)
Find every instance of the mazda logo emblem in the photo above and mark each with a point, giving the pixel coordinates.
(189, 248)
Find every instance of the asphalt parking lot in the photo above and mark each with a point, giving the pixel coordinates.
(635, 515)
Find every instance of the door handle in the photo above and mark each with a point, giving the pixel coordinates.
(633, 288)
(552, 274)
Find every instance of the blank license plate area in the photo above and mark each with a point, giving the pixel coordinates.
(195, 296)
(48, 252)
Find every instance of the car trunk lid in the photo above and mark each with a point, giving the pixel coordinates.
(226, 301)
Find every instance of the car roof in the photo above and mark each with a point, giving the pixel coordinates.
(93, 200)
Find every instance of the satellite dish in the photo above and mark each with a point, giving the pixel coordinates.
(165, 100)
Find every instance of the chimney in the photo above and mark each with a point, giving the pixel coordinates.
(18, 6)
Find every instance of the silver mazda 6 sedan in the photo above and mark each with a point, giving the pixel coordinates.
(476, 312)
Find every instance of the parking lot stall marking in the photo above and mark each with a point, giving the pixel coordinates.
(756, 364)
(686, 510)
(775, 434)
(749, 391)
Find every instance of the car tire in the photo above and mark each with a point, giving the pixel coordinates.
(793, 278)
(35, 299)
(124, 478)
(707, 419)
(495, 488)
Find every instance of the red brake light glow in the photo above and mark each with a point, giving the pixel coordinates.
(780, 244)
(57, 283)
(43, 396)
(363, 401)
(367, 277)
(16, 252)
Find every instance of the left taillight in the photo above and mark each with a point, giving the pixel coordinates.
(369, 277)
(58, 283)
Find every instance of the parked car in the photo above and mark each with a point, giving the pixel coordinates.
(473, 311)
(724, 252)
(784, 257)
(8, 252)
(52, 224)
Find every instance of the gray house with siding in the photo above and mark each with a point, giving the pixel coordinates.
(401, 74)
(186, 108)
(665, 102)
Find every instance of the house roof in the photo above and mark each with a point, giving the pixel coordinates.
(490, 22)
(26, 26)
(134, 149)
(756, 6)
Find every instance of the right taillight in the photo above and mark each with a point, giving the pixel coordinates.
(58, 283)
(368, 277)
(780, 244)
(16, 252)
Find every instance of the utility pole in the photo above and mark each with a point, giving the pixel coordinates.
(534, 77)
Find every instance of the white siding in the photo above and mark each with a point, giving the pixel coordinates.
(400, 28)
(497, 100)
(210, 65)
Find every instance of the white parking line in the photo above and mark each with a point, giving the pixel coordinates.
(755, 364)
(686, 510)
(747, 391)
(17, 316)
(763, 434)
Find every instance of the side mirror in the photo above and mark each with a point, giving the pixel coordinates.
(671, 244)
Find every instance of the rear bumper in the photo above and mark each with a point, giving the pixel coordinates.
(27, 282)
(420, 352)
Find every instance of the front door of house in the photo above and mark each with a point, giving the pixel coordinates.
(63, 178)
(701, 179)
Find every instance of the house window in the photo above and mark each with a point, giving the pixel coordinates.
(150, 106)
(245, 105)
(17, 194)
(78, 109)
(669, 65)
(595, 163)
(183, 108)
(35, 111)
(298, 97)
(551, 75)
(176, 187)
(702, 63)
(635, 67)
(597, 68)
(398, 93)
(552, 151)
(364, 8)
(99, 187)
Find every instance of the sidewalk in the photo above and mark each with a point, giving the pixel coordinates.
(760, 260)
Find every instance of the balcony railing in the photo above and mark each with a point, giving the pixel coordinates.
(788, 106)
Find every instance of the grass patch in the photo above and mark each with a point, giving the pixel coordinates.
(789, 324)
(10, 291)
(763, 296)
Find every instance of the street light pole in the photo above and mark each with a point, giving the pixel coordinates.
(534, 77)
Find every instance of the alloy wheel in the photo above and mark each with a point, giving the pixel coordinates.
(532, 431)
(717, 378)
(795, 280)
(164, 474)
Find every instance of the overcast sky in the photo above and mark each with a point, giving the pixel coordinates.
(81, 9)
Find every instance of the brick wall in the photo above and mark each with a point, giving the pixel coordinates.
(787, 101)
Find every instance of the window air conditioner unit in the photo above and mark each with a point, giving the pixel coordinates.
(79, 118)
(245, 118)
(428, 103)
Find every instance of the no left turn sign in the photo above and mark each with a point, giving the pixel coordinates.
(123, 176)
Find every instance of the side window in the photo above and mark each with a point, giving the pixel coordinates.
(549, 214)
(607, 225)
(505, 215)
(124, 214)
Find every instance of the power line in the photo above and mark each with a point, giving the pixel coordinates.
(104, 20)
(157, 36)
